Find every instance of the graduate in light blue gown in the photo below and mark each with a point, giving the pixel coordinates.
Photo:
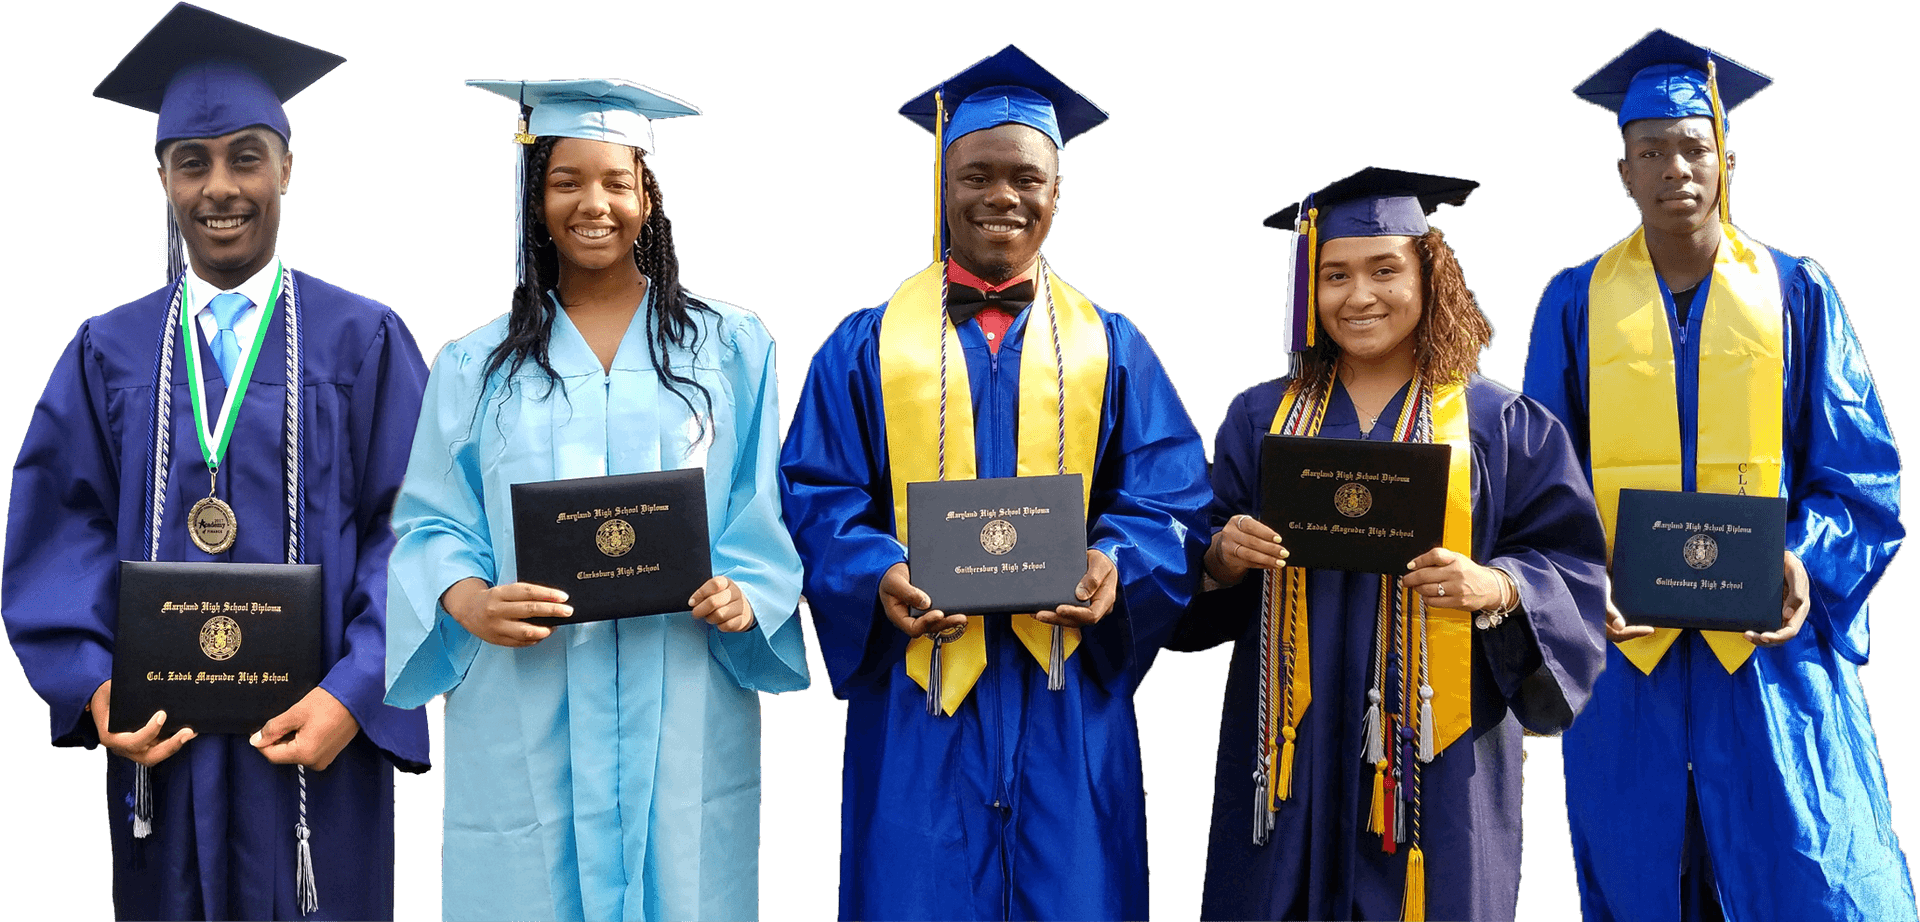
(1726, 777)
(603, 770)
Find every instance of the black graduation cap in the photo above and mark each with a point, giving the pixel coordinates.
(1665, 76)
(989, 94)
(207, 75)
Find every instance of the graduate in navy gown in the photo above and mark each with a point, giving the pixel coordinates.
(1717, 775)
(1010, 786)
(100, 479)
(1382, 778)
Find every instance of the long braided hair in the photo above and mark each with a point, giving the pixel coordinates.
(530, 321)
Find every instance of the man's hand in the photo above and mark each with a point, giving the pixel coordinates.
(496, 614)
(899, 598)
(143, 745)
(1447, 579)
(310, 733)
(1796, 598)
(721, 603)
(1097, 589)
(1245, 544)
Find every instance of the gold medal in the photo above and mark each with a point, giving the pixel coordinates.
(212, 525)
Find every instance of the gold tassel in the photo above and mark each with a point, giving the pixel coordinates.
(1377, 814)
(1284, 789)
(1313, 274)
(1413, 904)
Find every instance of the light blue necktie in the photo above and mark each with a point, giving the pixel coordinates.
(227, 308)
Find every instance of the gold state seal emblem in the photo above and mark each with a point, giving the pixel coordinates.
(998, 537)
(615, 537)
(220, 638)
(1352, 500)
(1700, 551)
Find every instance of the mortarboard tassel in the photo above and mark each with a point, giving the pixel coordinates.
(1313, 271)
(1057, 660)
(1413, 903)
(1719, 139)
(142, 801)
(939, 175)
(176, 258)
(1376, 814)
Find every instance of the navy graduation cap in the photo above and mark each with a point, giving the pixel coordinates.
(1374, 202)
(207, 75)
(1665, 76)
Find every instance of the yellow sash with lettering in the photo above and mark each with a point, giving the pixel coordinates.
(911, 331)
(1449, 631)
(1633, 400)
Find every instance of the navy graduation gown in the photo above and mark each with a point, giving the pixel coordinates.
(1790, 794)
(223, 840)
(1027, 803)
(1533, 516)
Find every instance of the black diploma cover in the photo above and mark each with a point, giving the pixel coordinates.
(1354, 504)
(221, 647)
(998, 545)
(620, 546)
(1701, 560)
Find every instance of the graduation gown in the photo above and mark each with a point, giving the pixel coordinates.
(223, 841)
(1790, 793)
(611, 771)
(1026, 803)
(1533, 516)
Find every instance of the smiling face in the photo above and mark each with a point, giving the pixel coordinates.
(1370, 297)
(225, 193)
(1002, 184)
(595, 208)
(1672, 170)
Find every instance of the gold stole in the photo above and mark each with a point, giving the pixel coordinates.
(1633, 400)
(911, 386)
(1449, 631)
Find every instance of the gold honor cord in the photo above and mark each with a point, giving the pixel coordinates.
(1634, 397)
(1060, 405)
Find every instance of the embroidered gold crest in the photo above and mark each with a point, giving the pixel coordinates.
(220, 638)
(1700, 551)
(615, 537)
(998, 537)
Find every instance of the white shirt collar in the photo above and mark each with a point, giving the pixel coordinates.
(201, 292)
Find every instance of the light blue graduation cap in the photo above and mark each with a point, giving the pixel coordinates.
(592, 109)
(1665, 76)
(1004, 88)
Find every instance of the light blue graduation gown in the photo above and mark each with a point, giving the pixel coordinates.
(1792, 800)
(611, 771)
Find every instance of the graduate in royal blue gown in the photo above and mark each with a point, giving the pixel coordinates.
(607, 769)
(101, 478)
(1715, 775)
(1010, 786)
(1381, 780)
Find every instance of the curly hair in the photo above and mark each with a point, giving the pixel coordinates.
(1448, 339)
(530, 320)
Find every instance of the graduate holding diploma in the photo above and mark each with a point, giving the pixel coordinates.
(244, 413)
(992, 762)
(603, 770)
(1369, 762)
(1721, 775)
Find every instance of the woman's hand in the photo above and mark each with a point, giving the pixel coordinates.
(721, 603)
(496, 614)
(1245, 544)
(1450, 580)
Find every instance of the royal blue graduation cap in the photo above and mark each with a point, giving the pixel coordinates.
(592, 108)
(1004, 88)
(207, 75)
(1666, 76)
(1374, 202)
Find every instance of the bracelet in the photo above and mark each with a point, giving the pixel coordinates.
(1509, 600)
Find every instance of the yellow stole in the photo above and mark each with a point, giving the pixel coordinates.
(1449, 631)
(911, 384)
(1633, 400)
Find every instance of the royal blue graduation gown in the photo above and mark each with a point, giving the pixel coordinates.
(223, 842)
(1026, 803)
(611, 771)
(1790, 793)
(1533, 516)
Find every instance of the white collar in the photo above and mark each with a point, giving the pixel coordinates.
(258, 289)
